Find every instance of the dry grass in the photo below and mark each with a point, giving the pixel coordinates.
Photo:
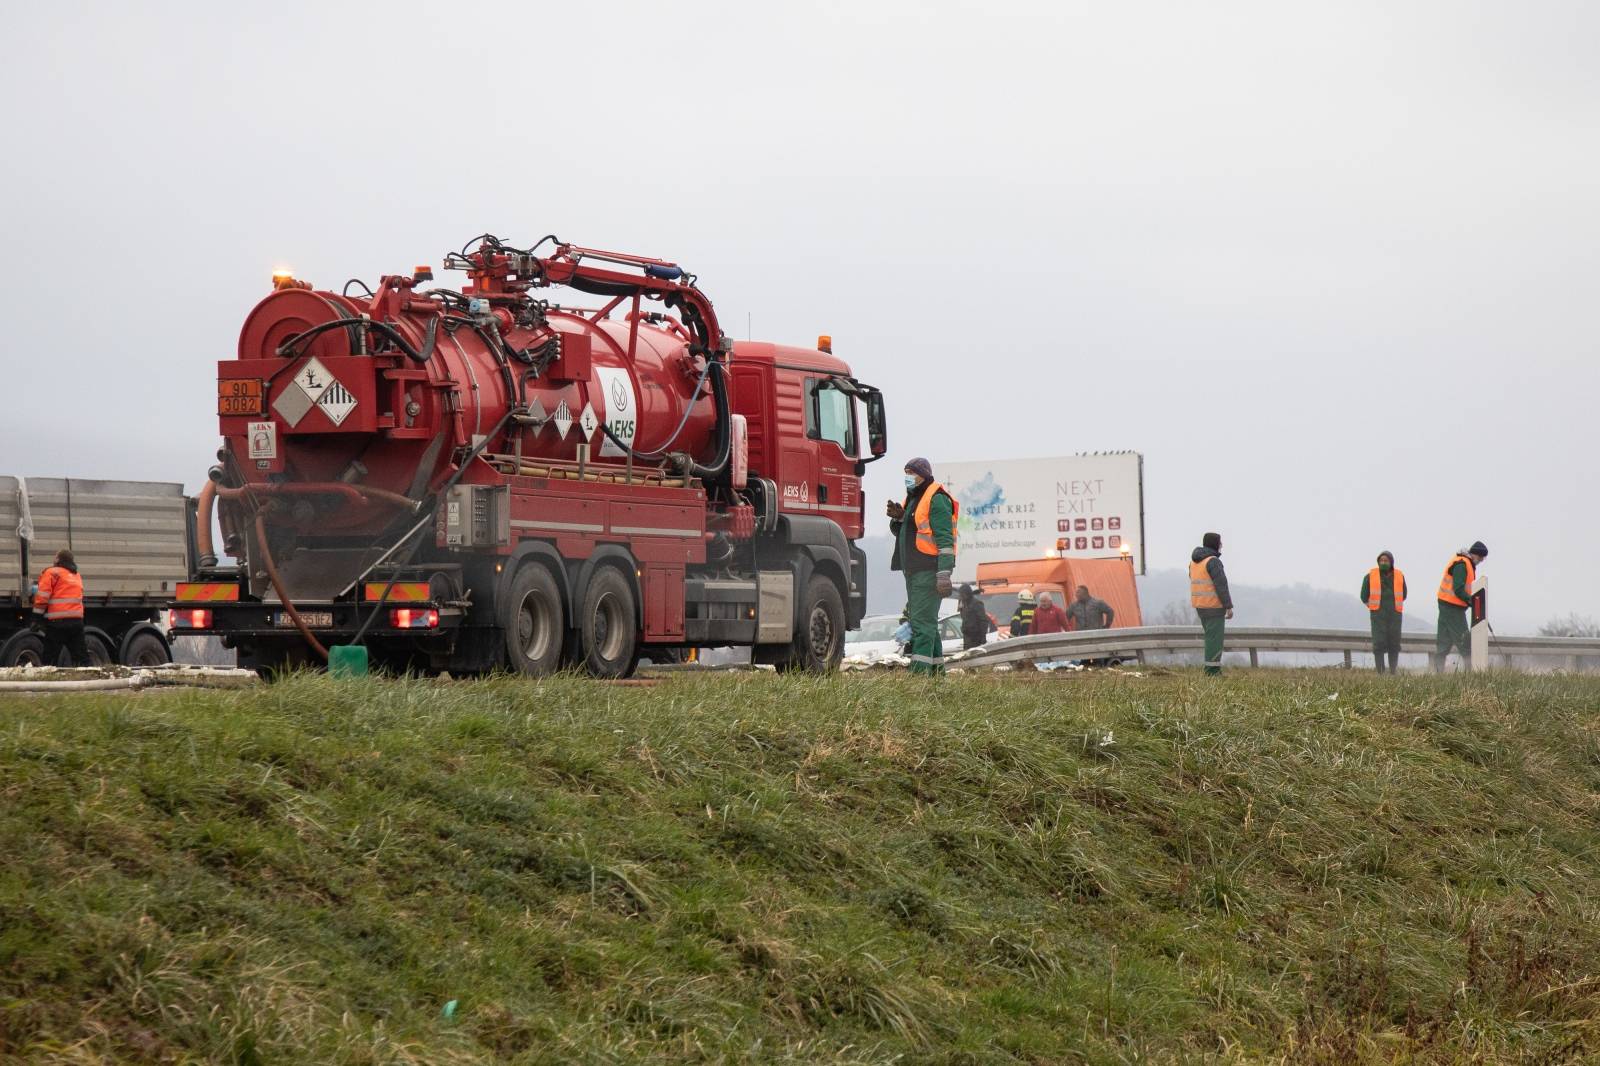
(1287, 867)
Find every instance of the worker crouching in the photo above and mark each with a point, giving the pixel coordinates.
(58, 611)
(924, 528)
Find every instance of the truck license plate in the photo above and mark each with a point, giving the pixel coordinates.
(314, 619)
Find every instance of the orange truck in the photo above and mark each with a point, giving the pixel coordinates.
(1107, 579)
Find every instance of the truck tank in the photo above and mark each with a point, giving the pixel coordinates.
(352, 406)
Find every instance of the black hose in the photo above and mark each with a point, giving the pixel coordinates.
(430, 341)
(724, 437)
(688, 409)
(724, 449)
(383, 328)
(356, 281)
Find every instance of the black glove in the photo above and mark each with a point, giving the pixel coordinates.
(942, 584)
(36, 623)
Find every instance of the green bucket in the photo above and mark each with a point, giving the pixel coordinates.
(347, 660)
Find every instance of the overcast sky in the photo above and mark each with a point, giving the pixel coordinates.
(1332, 270)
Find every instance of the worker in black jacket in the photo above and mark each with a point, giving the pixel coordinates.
(975, 620)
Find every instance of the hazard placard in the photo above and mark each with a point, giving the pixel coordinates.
(241, 396)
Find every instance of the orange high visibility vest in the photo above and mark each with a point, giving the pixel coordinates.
(1375, 590)
(1202, 590)
(924, 526)
(60, 594)
(1447, 588)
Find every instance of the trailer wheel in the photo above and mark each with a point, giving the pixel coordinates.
(146, 649)
(535, 625)
(23, 649)
(610, 625)
(99, 648)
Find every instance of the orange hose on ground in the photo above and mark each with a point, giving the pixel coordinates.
(277, 585)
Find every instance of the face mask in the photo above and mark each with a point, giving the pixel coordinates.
(1385, 567)
(911, 482)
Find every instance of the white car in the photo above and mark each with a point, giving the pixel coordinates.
(875, 639)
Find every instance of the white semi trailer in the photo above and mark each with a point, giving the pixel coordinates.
(133, 541)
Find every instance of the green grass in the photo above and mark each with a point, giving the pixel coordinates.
(1307, 867)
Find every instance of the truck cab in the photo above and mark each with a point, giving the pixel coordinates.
(805, 428)
(812, 429)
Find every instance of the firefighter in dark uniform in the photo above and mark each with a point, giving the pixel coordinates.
(1022, 617)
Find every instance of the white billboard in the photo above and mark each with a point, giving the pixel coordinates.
(1078, 506)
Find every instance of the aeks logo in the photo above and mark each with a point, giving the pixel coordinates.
(801, 492)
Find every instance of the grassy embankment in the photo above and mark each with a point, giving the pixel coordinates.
(1320, 867)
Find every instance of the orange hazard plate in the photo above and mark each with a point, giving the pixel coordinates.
(241, 396)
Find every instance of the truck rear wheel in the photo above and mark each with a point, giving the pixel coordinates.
(818, 644)
(609, 625)
(535, 625)
(146, 649)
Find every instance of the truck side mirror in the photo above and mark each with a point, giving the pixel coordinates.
(877, 424)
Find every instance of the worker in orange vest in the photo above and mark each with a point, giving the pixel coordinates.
(1455, 596)
(58, 611)
(925, 550)
(1209, 596)
(1384, 590)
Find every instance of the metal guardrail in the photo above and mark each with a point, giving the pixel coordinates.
(1135, 644)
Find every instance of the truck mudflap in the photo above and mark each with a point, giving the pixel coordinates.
(329, 621)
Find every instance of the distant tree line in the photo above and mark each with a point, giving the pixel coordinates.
(1573, 625)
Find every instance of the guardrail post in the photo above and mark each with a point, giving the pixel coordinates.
(1478, 641)
(1348, 663)
(1255, 658)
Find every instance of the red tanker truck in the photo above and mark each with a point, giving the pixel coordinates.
(482, 478)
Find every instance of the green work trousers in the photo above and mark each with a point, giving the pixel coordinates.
(1386, 638)
(1212, 621)
(922, 606)
(1453, 633)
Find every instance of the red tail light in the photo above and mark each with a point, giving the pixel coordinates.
(191, 618)
(414, 618)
